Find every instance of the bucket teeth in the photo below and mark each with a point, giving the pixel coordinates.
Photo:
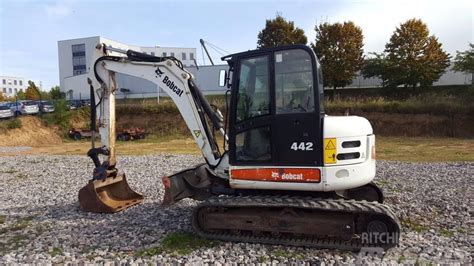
(109, 195)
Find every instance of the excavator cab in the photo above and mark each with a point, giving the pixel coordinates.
(276, 108)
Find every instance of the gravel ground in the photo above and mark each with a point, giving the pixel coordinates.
(40, 219)
(14, 149)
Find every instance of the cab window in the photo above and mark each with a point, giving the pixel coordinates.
(253, 97)
(294, 88)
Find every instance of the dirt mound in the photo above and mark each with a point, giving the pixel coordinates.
(33, 132)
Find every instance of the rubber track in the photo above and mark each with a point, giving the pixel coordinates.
(338, 205)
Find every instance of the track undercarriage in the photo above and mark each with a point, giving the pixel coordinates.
(351, 220)
(298, 221)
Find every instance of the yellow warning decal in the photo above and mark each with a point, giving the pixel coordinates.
(197, 133)
(330, 150)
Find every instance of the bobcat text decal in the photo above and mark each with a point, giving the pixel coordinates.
(302, 175)
(173, 87)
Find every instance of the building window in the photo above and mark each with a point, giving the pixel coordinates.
(183, 55)
(4, 81)
(164, 54)
(79, 59)
(16, 90)
(153, 53)
(79, 72)
(172, 54)
(21, 82)
(14, 81)
(9, 90)
(191, 56)
(78, 50)
(4, 90)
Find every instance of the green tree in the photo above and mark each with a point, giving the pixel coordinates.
(339, 48)
(414, 56)
(376, 66)
(278, 32)
(45, 95)
(32, 92)
(464, 61)
(20, 95)
(56, 93)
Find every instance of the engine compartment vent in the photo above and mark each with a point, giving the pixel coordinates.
(348, 156)
(351, 144)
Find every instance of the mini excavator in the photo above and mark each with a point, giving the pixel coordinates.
(287, 173)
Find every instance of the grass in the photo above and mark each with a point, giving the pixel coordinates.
(401, 259)
(446, 233)
(3, 218)
(280, 253)
(179, 243)
(17, 240)
(414, 225)
(424, 149)
(13, 243)
(18, 225)
(184, 243)
(22, 223)
(55, 251)
(406, 149)
(149, 252)
(263, 259)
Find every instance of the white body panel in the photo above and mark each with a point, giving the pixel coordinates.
(346, 126)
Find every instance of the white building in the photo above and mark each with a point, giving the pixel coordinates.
(10, 86)
(75, 60)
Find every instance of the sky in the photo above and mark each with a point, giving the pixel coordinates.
(30, 29)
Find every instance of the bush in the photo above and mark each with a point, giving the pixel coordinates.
(13, 123)
(61, 115)
(9, 124)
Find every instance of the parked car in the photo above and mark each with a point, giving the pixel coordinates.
(45, 106)
(74, 104)
(6, 112)
(24, 108)
(86, 102)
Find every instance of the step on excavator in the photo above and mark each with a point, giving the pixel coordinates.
(286, 173)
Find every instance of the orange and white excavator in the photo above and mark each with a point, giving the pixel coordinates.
(288, 173)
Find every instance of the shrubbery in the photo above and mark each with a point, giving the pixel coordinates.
(9, 124)
(60, 117)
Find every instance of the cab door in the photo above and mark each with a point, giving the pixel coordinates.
(251, 116)
(297, 120)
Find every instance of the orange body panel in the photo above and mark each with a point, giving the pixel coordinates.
(300, 175)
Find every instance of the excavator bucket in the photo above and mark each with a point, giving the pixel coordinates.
(108, 195)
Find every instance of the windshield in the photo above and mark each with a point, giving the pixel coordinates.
(29, 103)
(4, 107)
(46, 103)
